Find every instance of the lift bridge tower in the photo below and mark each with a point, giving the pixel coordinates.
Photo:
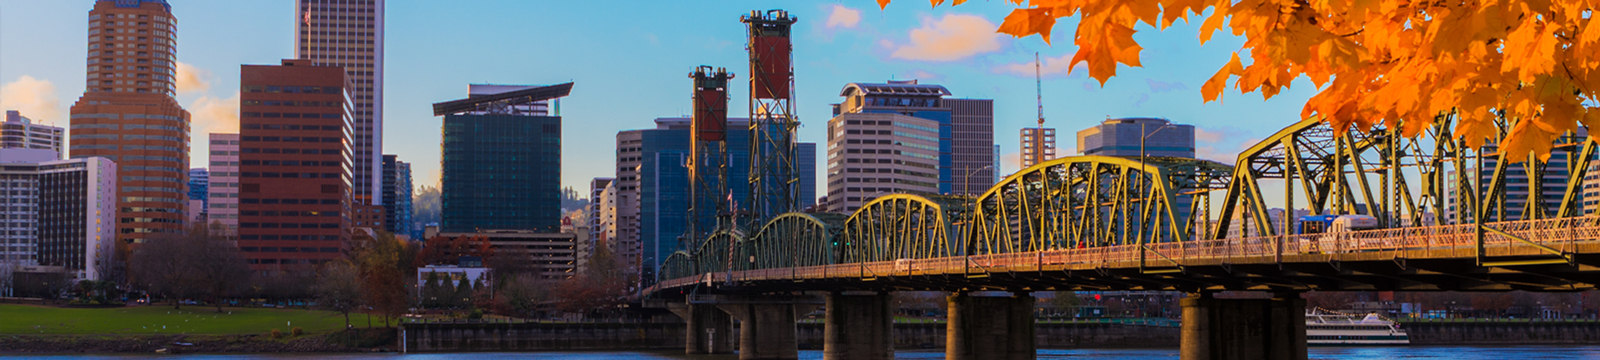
(709, 196)
(774, 180)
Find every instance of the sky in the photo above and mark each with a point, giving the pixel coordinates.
(629, 70)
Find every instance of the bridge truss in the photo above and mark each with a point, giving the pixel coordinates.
(1118, 215)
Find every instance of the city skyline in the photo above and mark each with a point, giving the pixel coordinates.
(835, 43)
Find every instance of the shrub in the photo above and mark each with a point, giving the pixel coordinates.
(296, 331)
(476, 314)
(277, 334)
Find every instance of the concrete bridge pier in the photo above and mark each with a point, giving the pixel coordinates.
(1243, 329)
(860, 326)
(710, 330)
(767, 329)
(990, 328)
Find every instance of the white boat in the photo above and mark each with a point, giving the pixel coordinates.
(1328, 328)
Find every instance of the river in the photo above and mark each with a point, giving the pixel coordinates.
(1342, 353)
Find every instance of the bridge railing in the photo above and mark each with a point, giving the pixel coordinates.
(1562, 235)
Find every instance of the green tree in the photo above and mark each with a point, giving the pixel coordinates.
(432, 291)
(463, 294)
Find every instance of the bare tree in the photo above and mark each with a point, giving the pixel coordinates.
(339, 289)
(189, 264)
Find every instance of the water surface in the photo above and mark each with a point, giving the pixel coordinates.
(1337, 353)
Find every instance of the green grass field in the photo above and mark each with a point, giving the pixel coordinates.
(27, 319)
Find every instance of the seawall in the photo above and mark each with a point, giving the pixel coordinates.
(429, 337)
(1503, 333)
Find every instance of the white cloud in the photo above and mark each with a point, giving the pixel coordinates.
(34, 98)
(840, 16)
(214, 115)
(953, 37)
(1048, 66)
(1221, 144)
(192, 79)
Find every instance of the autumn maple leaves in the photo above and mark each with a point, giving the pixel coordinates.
(1396, 63)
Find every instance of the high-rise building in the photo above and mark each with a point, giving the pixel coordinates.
(502, 159)
(602, 220)
(1149, 137)
(59, 212)
(1038, 145)
(1123, 137)
(965, 128)
(349, 34)
(806, 157)
(877, 154)
(199, 193)
(222, 203)
(127, 114)
(295, 202)
(20, 132)
(397, 188)
(1518, 188)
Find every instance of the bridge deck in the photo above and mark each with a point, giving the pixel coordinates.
(1546, 255)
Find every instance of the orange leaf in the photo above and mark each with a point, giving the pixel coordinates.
(883, 4)
(1212, 89)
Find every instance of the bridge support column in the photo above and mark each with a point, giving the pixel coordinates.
(766, 330)
(710, 330)
(985, 328)
(859, 326)
(1243, 329)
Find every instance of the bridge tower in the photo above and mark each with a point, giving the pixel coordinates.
(708, 161)
(774, 184)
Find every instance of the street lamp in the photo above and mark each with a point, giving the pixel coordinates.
(966, 196)
(1145, 135)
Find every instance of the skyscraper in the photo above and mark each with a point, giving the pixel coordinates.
(876, 154)
(21, 132)
(349, 34)
(965, 128)
(397, 188)
(1038, 145)
(502, 159)
(1129, 136)
(223, 200)
(127, 114)
(59, 212)
(199, 193)
(295, 203)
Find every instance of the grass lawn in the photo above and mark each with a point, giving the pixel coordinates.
(28, 319)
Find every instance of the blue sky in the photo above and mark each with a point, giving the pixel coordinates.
(630, 62)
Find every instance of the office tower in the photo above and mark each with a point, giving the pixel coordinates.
(222, 204)
(295, 204)
(1038, 145)
(20, 132)
(1131, 137)
(502, 159)
(403, 199)
(127, 114)
(877, 154)
(349, 34)
(965, 128)
(199, 192)
(971, 144)
(59, 212)
(602, 220)
(397, 188)
(1552, 181)
(806, 156)
(1123, 137)
(653, 190)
